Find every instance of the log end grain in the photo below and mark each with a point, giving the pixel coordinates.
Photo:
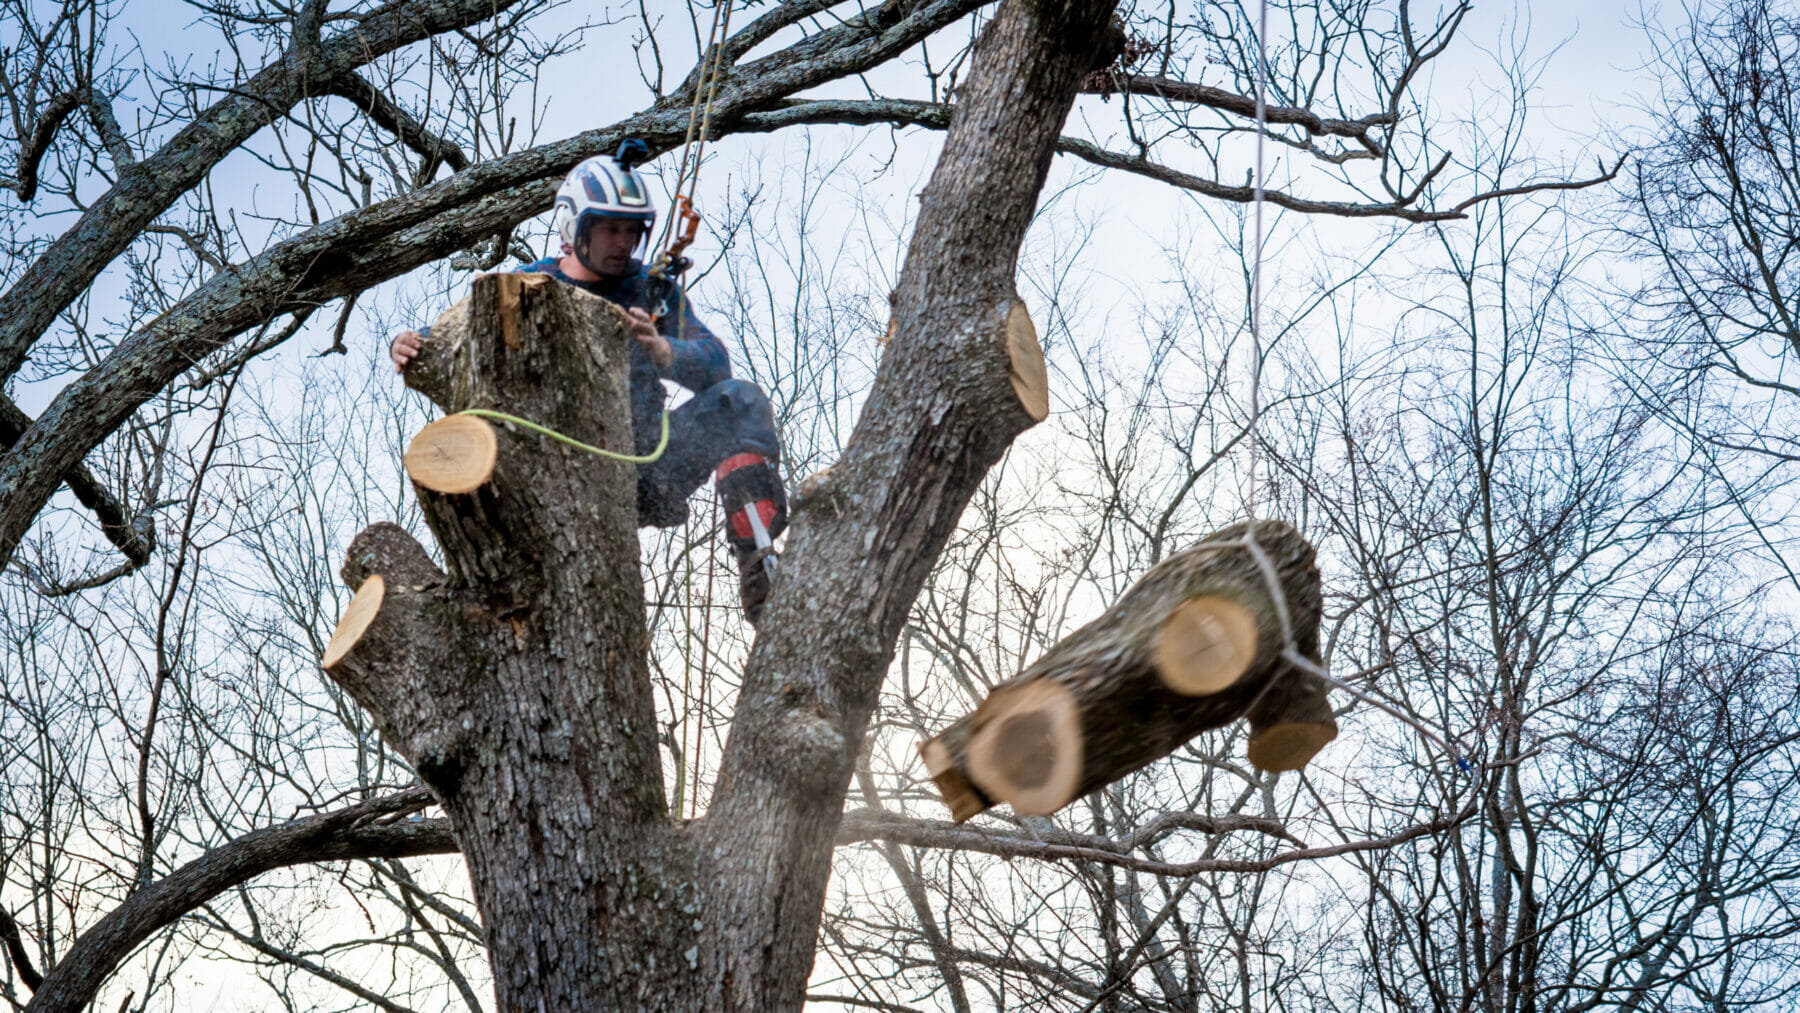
(455, 454)
(1289, 745)
(361, 612)
(1207, 644)
(1026, 747)
(959, 795)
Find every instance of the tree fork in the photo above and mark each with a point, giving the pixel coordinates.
(1199, 642)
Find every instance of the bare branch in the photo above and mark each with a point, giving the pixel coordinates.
(15, 950)
(388, 115)
(365, 830)
(32, 151)
(1174, 90)
(135, 536)
(937, 116)
(1048, 844)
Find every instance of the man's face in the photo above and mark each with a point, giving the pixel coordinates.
(610, 242)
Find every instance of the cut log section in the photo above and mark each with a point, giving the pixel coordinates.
(455, 454)
(1289, 745)
(1196, 644)
(363, 608)
(1207, 644)
(1025, 747)
(961, 796)
(1291, 723)
(1030, 380)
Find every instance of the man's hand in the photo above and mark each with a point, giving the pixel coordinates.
(406, 345)
(643, 331)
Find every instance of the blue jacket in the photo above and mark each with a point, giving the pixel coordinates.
(699, 357)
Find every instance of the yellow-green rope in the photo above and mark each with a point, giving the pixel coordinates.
(651, 457)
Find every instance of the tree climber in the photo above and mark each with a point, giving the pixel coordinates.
(727, 428)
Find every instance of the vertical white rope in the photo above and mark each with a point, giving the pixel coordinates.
(1256, 201)
(1270, 578)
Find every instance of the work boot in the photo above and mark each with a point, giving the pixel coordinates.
(751, 483)
(753, 581)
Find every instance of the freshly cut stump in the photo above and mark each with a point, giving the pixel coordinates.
(1206, 646)
(1026, 747)
(455, 454)
(361, 612)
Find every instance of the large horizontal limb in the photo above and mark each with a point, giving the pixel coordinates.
(147, 188)
(372, 829)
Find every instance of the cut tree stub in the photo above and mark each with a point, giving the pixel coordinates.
(1030, 380)
(1207, 644)
(1026, 748)
(363, 608)
(455, 454)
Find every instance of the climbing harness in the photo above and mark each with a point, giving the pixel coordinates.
(650, 458)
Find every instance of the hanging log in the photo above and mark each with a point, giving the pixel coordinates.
(1196, 644)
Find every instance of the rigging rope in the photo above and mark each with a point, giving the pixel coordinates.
(693, 145)
(650, 458)
(1264, 564)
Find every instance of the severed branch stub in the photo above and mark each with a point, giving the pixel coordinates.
(455, 454)
(1196, 644)
(1025, 357)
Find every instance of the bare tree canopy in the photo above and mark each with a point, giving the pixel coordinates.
(1036, 336)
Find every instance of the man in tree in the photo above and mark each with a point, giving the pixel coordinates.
(727, 428)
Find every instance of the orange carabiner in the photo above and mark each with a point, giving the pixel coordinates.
(683, 237)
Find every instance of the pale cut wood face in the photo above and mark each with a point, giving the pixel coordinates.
(357, 616)
(1206, 646)
(454, 455)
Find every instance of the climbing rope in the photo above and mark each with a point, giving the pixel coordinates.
(650, 458)
(679, 231)
(693, 145)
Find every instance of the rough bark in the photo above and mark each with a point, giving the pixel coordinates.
(537, 731)
(515, 681)
(1125, 711)
(942, 410)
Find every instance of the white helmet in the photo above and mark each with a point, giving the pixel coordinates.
(603, 187)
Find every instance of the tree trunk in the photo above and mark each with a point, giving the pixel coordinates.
(515, 680)
(1199, 642)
